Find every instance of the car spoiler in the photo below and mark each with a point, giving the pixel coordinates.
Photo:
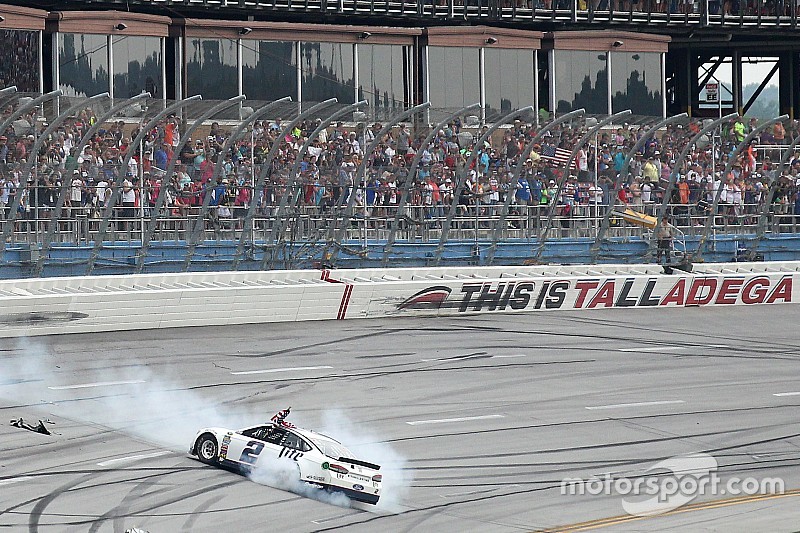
(358, 462)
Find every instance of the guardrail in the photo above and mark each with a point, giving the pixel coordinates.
(156, 301)
(419, 224)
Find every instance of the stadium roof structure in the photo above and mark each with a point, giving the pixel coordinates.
(706, 23)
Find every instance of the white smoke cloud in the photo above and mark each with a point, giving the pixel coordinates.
(156, 409)
(397, 476)
(283, 474)
(152, 407)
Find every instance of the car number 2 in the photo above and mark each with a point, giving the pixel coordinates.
(251, 451)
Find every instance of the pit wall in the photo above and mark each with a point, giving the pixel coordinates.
(153, 301)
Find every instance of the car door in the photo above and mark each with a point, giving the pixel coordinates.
(252, 445)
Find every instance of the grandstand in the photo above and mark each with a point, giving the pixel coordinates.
(389, 134)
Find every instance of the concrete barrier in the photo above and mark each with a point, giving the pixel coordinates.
(149, 301)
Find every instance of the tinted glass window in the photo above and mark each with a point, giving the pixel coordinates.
(83, 64)
(383, 78)
(454, 77)
(211, 68)
(138, 66)
(19, 60)
(508, 81)
(581, 81)
(636, 83)
(269, 69)
(295, 442)
(327, 72)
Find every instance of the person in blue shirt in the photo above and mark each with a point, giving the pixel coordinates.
(160, 158)
(523, 191)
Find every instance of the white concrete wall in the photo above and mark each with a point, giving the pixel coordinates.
(111, 303)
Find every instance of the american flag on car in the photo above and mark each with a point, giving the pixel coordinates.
(556, 156)
(279, 419)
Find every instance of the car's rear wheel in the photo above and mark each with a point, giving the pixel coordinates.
(207, 449)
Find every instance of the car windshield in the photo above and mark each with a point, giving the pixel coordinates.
(331, 448)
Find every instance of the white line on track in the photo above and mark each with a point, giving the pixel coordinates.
(330, 519)
(787, 394)
(14, 480)
(652, 349)
(98, 384)
(132, 458)
(638, 404)
(273, 370)
(448, 420)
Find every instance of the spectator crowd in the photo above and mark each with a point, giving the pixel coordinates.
(327, 173)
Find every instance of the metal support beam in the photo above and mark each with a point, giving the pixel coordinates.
(247, 225)
(412, 172)
(115, 186)
(55, 216)
(698, 253)
(498, 227)
(761, 229)
(761, 87)
(551, 208)
(461, 177)
(673, 176)
(6, 95)
(278, 240)
(622, 177)
(166, 181)
(13, 211)
(361, 170)
(21, 110)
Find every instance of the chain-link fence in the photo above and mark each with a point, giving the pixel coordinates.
(284, 185)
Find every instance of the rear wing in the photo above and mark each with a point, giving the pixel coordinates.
(359, 462)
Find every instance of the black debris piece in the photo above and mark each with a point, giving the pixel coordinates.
(40, 428)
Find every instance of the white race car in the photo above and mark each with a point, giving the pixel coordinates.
(321, 461)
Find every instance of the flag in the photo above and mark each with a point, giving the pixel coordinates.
(279, 419)
(556, 156)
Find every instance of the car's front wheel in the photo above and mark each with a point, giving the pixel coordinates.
(207, 449)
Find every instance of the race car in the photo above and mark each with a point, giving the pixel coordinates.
(320, 460)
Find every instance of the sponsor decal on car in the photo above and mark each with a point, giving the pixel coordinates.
(358, 487)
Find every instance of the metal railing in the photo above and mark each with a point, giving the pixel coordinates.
(755, 13)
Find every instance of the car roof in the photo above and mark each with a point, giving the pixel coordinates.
(307, 433)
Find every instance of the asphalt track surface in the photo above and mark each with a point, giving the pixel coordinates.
(476, 419)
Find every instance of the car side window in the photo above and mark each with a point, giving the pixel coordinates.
(266, 433)
(294, 442)
(256, 432)
(274, 435)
